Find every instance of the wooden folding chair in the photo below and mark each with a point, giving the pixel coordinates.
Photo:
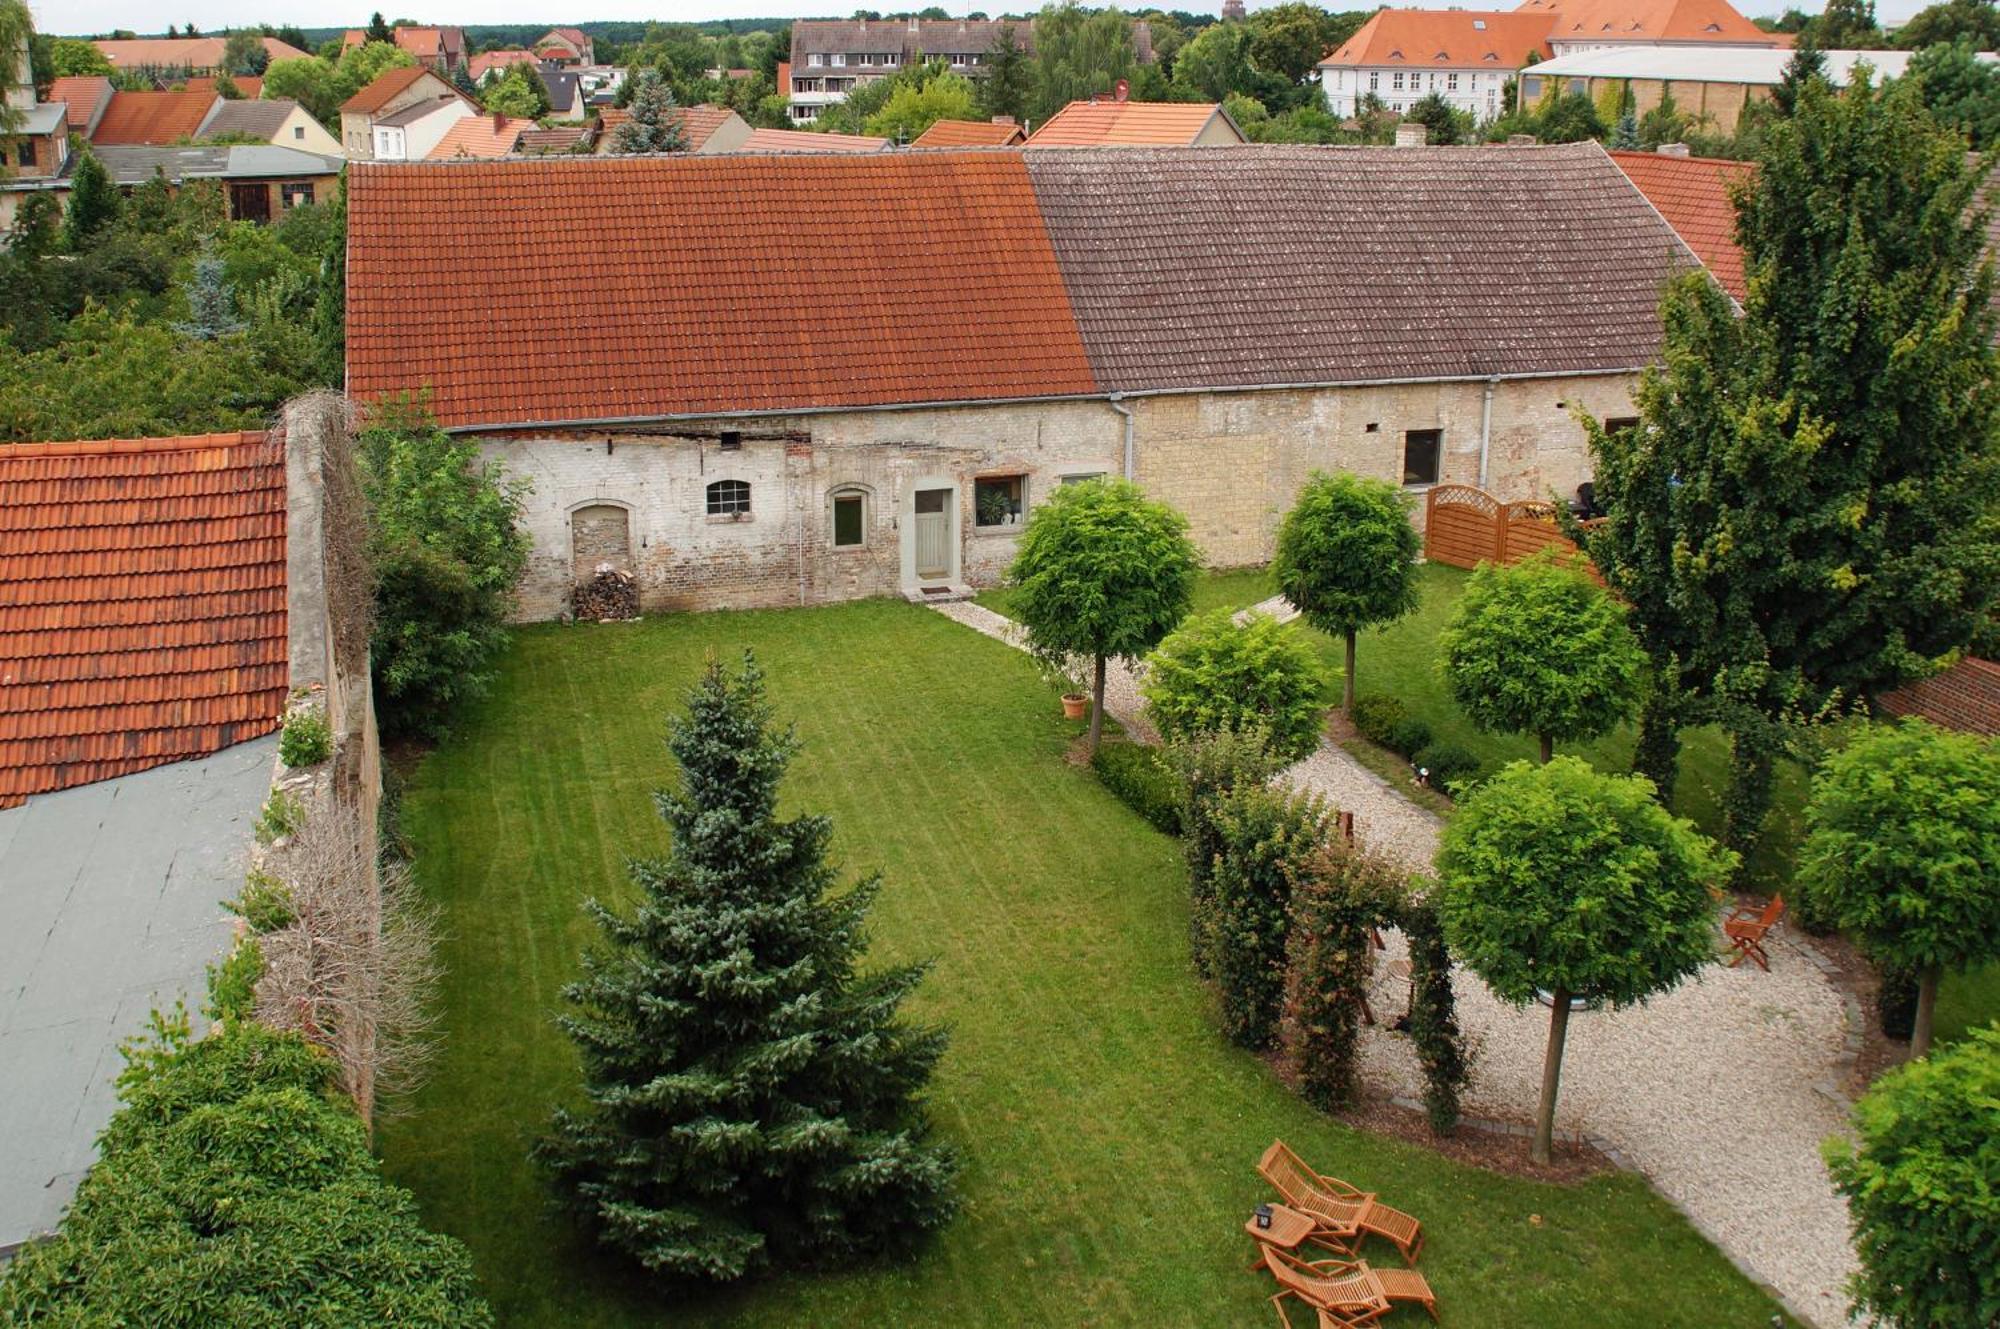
(1344, 1213)
(1745, 928)
(1347, 1291)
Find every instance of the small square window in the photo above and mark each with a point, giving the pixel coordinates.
(732, 442)
(1620, 423)
(298, 131)
(847, 527)
(997, 502)
(1422, 450)
(728, 498)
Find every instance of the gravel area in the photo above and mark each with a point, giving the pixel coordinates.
(1718, 1091)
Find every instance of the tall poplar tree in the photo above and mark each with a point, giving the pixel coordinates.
(751, 1096)
(1809, 513)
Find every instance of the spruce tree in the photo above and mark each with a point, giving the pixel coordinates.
(211, 304)
(657, 124)
(751, 1096)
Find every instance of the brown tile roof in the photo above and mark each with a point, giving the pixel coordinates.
(1199, 267)
(481, 136)
(805, 140)
(142, 604)
(262, 118)
(153, 117)
(1445, 39)
(676, 312)
(191, 52)
(968, 134)
(699, 121)
(560, 138)
(1692, 193)
(82, 94)
(249, 86)
(386, 85)
(1125, 124)
(1966, 696)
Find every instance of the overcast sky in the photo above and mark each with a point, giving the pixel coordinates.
(76, 16)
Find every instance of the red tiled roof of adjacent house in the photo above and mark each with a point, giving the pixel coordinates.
(250, 86)
(153, 118)
(1966, 696)
(784, 78)
(1692, 193)
(1445, 39)
(557, 138)
(187, 52)
(81, 94)
(481, 136)
(385, 86)
(632, 279)
(142, 604)
(480, 65)
(699, 122)
(1125, 124)
(969, 134)
(1648, 21)
(805, 140)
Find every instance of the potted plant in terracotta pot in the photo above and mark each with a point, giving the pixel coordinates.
(1075, 701)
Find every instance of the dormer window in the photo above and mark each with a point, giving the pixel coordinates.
(1479, 25)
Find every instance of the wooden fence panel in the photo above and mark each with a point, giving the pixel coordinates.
(1464, 527)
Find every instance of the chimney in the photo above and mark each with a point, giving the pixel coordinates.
(1522, 140)
(913, 24)
(1121, 90)
(1673, 150)
(499, 121)
(1411, 135)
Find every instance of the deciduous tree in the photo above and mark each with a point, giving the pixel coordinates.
(1347, 558)
(1215, 673)
(1559, 882)
(1077, 53)
(911, 110)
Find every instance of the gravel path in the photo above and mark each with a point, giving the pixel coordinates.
(1720, 1091)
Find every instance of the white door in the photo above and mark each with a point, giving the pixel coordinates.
(933, 539)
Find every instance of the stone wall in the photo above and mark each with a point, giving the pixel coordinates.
(1231, 461)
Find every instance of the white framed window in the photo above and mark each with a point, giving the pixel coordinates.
(729, 498)
(1451, 83)
(1374, 80)
(1396, 81)
(998, 501)
(838, 59)
(1083, 477)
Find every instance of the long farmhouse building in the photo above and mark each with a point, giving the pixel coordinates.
(743, 411)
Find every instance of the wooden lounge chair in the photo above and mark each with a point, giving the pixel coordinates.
(1745, 929)
(1344, 1213)
(1347, 1292)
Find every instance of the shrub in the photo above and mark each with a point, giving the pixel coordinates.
(1208, 768)
(1921, 1187)
(1341, 894)
(1452, 768)
(281, 816)
(265, 904)
(1268, 835)
(1377, 715)
(1143, 781)
(1214, 673)
(230, 1187)
(1434, 1013)
(307, 739)
(1409, 737)
(232, 982)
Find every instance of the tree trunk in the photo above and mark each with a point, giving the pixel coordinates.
(1097, 707)
(1347, 686)
(1657, 756)
(1548, 749)
(1920, 1032)
(1552, 1061)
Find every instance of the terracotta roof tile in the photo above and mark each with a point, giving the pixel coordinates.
(81, 94)
(249, 86)
(385, 86)
(559, 138)
(630, 300)
(805, 140)
(968, 134)
(700, 121)
(153, 118)
(1648, 21)
(479, 65)
(1692, 193)
(189, 52)
(142, 604)
(1445, 39)
(1210, 267)
(1122, 124)
(481, 136)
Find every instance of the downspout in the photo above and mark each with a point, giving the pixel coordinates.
(1486, 426)
(1116, 401)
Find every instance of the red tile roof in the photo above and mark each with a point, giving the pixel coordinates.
(479, 65)
(1126, 124)
(699, 122)
(481, 136)
(1692, 193)
(1966, 696)
(154, 118)
(142, 604)
(188, 52)
(629, 300)
(81, 93)
(1445, 39)
(969, 134)
(250, 86)
(386, 85)
(1648, 21)
(805, 140)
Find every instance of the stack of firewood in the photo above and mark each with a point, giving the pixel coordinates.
(606, 597)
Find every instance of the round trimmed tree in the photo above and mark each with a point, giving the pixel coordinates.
(1923, 1188)
(1902, 853)
(1347, 558)
(1557, 882)
(1538, 648)
(1103, 572)
(1215, 673)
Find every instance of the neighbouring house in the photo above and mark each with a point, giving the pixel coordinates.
(732, 447)
(1113, 122)
(1714, 85)
(260, 181)
(160, 601)
(709, 129)
(600, 83)
(480, 136)
(86, 96)
(1965, 696)
(489, 65)
(832, 57)
(556, 139)
(248, 87)
(1590, 25)
(806, 140)
(34, 158)
(1692, 193)
(391, 94)
(155, 118)
(279, 121)
(414, 132)
(567, 99)
(567, 46)
(999, 132)
(438, 49)
(166, 58)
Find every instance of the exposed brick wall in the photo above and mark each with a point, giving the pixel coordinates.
(1231, 461)
(1966, 696)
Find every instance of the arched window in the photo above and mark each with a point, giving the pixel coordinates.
(728, 498)
(848, 508)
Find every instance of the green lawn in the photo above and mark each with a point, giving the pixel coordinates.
(1108, 1133)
